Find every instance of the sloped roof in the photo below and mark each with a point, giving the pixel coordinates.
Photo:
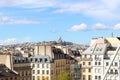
(6, 72)
(96, 49)
(113, 40)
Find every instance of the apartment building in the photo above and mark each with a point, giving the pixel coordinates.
(75, 71)
(61, 60)
(86, 65)
(42, 67)
(23, 67)
(106, 57)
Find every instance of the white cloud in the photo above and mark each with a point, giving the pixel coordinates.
(14, 41)
(81, 27)
(116, 27)
(8, 41)
(100, 26)
(70, 7)
(26, 3)
(54, 31)
(100, 9)
(9, 20)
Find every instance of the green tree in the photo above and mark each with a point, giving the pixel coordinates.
(63, 76)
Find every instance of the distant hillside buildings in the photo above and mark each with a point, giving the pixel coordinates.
(44, 61)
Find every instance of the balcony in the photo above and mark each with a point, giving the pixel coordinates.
(76, 66)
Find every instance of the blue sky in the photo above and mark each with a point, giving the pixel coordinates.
(45, 20)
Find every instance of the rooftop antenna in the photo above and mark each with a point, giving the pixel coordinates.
(112, 34)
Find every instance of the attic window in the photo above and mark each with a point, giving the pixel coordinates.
(100, 49)
(97, 49)
(45, 59)
(31, 59)
(91, 49)
(40, 59)
(15, 61)
(35, 59)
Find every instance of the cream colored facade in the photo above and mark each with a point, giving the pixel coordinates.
(86, 64)
(7, 60)
(43, 49)
(58, 54)
(86, 67)
(42, 71)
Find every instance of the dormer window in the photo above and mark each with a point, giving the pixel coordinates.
(31, 59)
(15, 61)
(45, 59)
(40, 60)
(91, 49)
(101, 49)
(97, 49)
(35, 59)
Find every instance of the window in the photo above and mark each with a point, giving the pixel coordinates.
(38, 71)
(99, 70)
(112, 64)
(83, 70)
(10, 79)
(95, 56)
(42, 65)
(107, 63)
(89, 77)
(47, 78)
(99, 77)
(43, 72)
(97, 49)
(38, 77)
(35, 59)
(26, 73)
(23, 73)
(83, 77)
(100, 49)
(31, 59)
(85, 56)
(99, 63)
(33, 65)
(38, 66)
(51, 71)
(90, 56)
(45, 59)
(95, 77)
(91, 49)
(40, 60)
(95, 63)
(43, 78)
(33, 78)
(111, 71)
(116, 72)
(83, 63)
(47, 66)
(33, 71)
(47, 72)
(89, 63)
(89, 70)
(115, 63)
